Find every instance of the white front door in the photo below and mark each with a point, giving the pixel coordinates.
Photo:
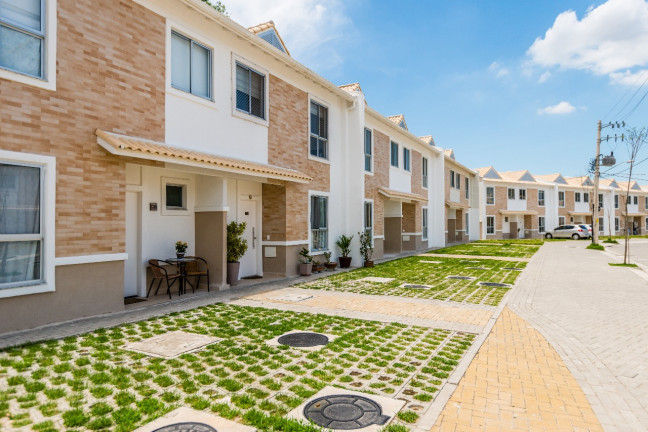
(247, 212)
(132, 264)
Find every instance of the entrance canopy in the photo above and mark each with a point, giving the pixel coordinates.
(123, 145)
(401, 196)
(456, 205)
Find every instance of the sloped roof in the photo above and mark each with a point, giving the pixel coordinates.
(268, 32)
(611, 183)
(489, 172)
(633, 185)
(399, 120)
(521, 175)
(428, 139)
(449, 153)
(579, 181)
(554, 178)
(353, 87)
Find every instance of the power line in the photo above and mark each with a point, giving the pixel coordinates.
(633, 96)
(624, 95)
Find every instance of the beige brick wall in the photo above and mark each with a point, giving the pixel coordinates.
(417, 174)
(106, 52)
(288, 147)
(569, 205)
(380, 178)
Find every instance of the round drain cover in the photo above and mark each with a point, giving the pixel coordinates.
(344, 412)
(186, 427)
(303, 340)
(494, 284)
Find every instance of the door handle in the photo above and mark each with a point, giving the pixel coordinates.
(253, 239)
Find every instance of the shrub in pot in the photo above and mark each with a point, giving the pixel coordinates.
(328, 264)
(366, 248)
(344, 243)
(236, 248)
(305, 262)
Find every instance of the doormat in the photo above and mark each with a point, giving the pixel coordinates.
(131, 300)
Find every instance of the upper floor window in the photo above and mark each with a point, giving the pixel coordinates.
(458, 181)
(467, 181)
(452, 179)
(635, 200)
(424, 172)
(577, 197)
(250, 91)
(646, 202)
(600, 201)
(541, 198)
(511, 193)
(367, 150)
(394, 154)
(522, 194)
(490, 195)
(22, 36)
(318, 130)
(585, 197)
(406, 159)
(616, 201)
(190, 66)
(561, 199)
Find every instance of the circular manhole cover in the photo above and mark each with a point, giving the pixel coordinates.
(186, 427)
(303, 340)
(494, 284)
(344, 412)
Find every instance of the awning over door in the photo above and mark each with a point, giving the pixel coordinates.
(401, 196)
(575, 213)
(123, 145)
(519, 212)
(456, 205)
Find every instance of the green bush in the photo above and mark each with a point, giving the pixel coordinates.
(236, 244)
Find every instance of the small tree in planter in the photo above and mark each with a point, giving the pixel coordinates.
(236, 248)
(344, 243)
(328, 264)
(305, 262)
(366, 250)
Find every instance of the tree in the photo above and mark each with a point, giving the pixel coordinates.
(216, 4)
(635, 140)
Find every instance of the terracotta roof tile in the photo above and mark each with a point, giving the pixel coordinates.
(428, 139)
(399, 120)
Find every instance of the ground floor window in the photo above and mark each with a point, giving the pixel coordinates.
(561, 220)
(600, 225)
(319, 223)
(616, 224)
(425, 223)
(467, 226)
(368, 219)
(541, 224)
(490, 224)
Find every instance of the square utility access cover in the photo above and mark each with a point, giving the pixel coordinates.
(339, 409)
(171, 344)
(189, 420)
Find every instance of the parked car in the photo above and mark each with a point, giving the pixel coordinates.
(588, 228)
(565, 231)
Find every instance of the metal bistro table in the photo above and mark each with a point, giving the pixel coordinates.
(182, 266)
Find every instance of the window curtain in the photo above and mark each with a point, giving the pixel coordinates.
(20, 214)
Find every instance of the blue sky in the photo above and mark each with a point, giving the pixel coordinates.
(514, 84)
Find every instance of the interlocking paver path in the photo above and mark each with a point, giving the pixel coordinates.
(595, 316)
(517, 382)
(476, 257)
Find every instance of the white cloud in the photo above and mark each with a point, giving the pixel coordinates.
(630, 78)
(498, 69)
(610, 38)
(560, 108)
(544, 77)
(311, 29)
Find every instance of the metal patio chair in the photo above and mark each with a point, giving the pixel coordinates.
(197, 269)
(160, 273)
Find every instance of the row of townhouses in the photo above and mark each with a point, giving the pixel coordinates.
(129, 125)
(517, 204)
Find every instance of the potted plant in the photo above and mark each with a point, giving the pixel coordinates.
(305, 262)
(236, 248)
(366, 250)
(344, 243)
(330, 266)
(181, 248)
(317, 266)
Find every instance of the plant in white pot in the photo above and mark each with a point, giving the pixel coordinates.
(305, 262)
(236, 248)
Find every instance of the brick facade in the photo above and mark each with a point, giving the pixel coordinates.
(380, 178)
(106, 52)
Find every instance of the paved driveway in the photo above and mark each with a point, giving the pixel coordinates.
(596, 317)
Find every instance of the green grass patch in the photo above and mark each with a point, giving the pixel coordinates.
(623, 265)
(595, 246)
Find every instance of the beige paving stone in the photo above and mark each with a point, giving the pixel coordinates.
(476, 257)
(517, 382)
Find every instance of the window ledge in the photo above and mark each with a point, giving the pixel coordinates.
(319, 159)
(26, 290)
(249, 117)
(29, 80)
(209, 103)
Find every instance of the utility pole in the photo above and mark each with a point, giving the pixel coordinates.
(595, 213)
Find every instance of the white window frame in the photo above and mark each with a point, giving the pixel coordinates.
(646, 202)
(371, 149)
(210, 67)
(617, 225)
(493, 195)
(563, 199)
(48, 214)
(616, 201)
(392, 154)
(586, 197)
(635, 200)
(424, 173)
(452, 179)
(508, 193)
(364, 218)
(48, 62)
(541, 226)
(541, 201)
(577, 197)
(487, 229)
(601, 225)
(184, 211)
(242, 114)
(407, 159)
(458, 181)
(321, 104)
(327, 195)
(561, 220)
(467, 226)
(467, 185)
(424, 223)
(522, 194)
(600, 201)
